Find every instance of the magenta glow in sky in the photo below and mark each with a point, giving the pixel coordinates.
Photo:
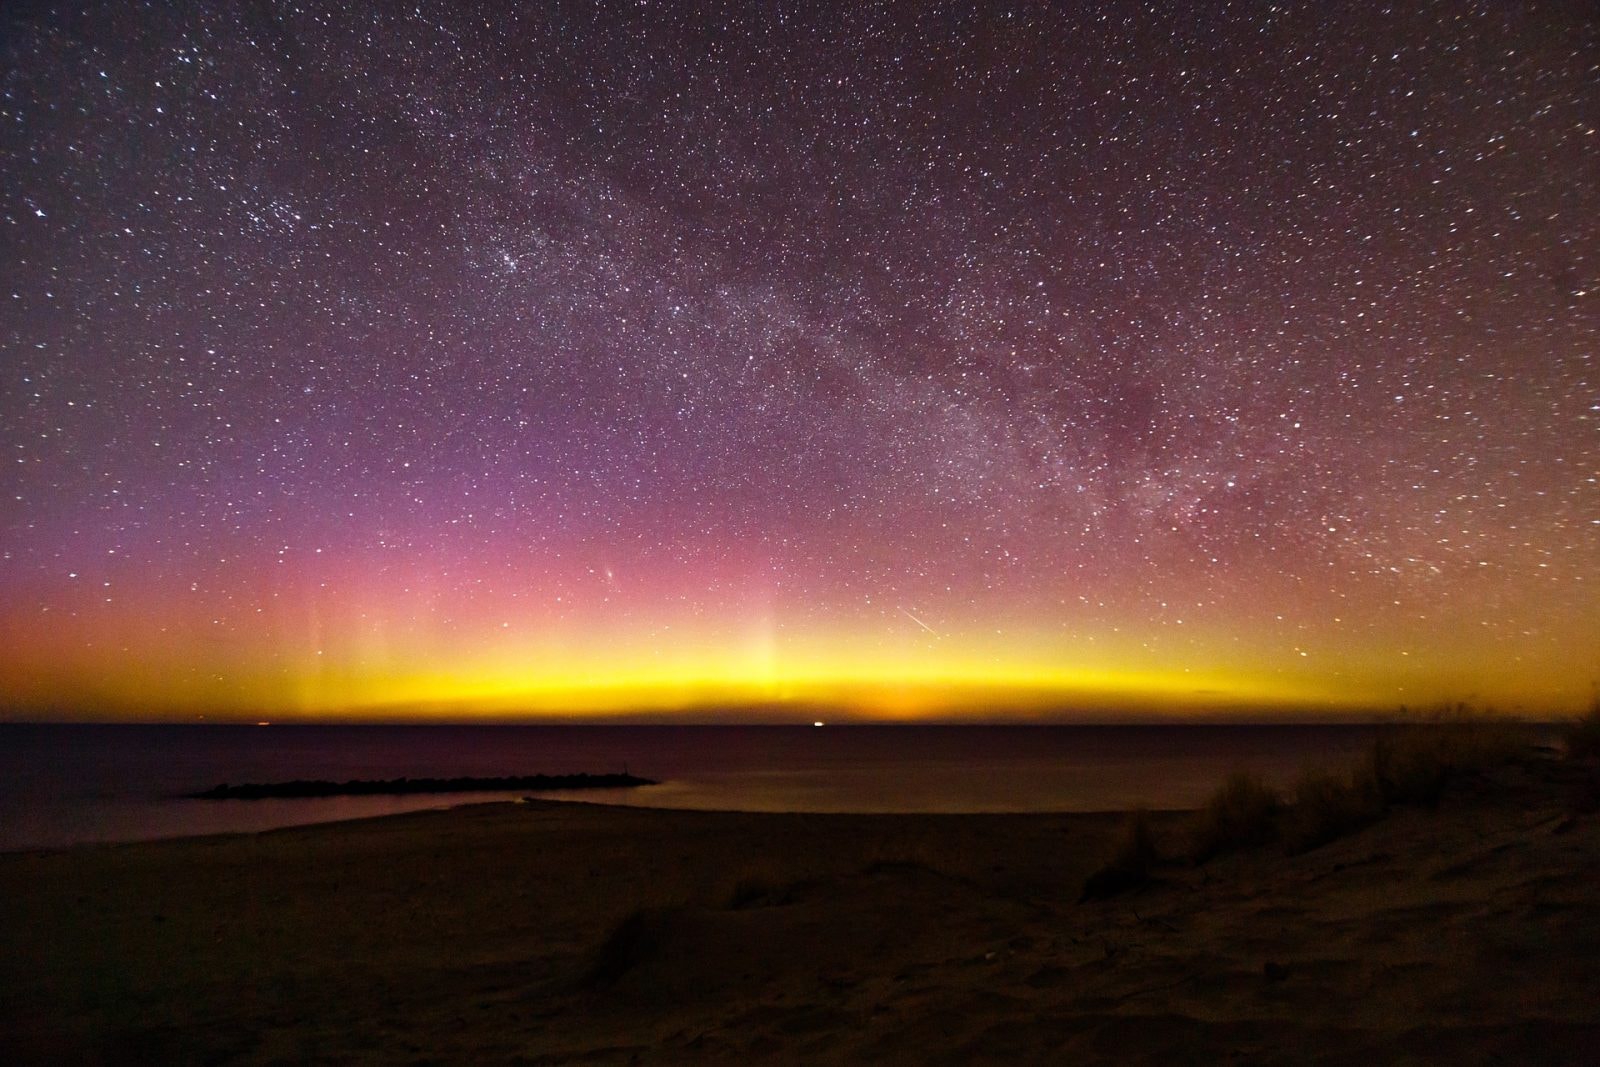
(491, 358)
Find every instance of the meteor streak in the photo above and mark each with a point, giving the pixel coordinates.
(919, 622)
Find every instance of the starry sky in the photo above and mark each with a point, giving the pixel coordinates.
(1026, 359)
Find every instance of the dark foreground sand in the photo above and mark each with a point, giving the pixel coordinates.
(501, 933)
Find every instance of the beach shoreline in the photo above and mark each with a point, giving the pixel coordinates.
(567, 931)
(62, 785)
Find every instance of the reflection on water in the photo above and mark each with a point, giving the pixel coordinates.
(66, 784)
(1059, 782)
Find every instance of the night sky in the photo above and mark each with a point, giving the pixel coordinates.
(479, 359)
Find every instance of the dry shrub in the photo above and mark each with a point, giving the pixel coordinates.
(752, 892)
(1327, 806)
(1583, 735)
(1241, 814)
(1134, 856)
(898, 852)
(753, 883)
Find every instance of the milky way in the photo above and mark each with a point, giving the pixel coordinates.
(547, 357)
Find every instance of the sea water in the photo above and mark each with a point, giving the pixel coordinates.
(70, 784)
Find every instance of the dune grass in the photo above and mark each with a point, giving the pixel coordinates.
(1243, 813)
(1325, 806)
(1410, 763)
(1134, 858)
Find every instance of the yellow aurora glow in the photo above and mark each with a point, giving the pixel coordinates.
(366, 663)
(1229, 375)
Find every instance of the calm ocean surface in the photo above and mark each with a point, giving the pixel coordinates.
(62, 785)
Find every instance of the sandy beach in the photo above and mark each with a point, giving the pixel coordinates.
(561, 932)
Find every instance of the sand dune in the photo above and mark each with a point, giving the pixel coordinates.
(559, 933)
